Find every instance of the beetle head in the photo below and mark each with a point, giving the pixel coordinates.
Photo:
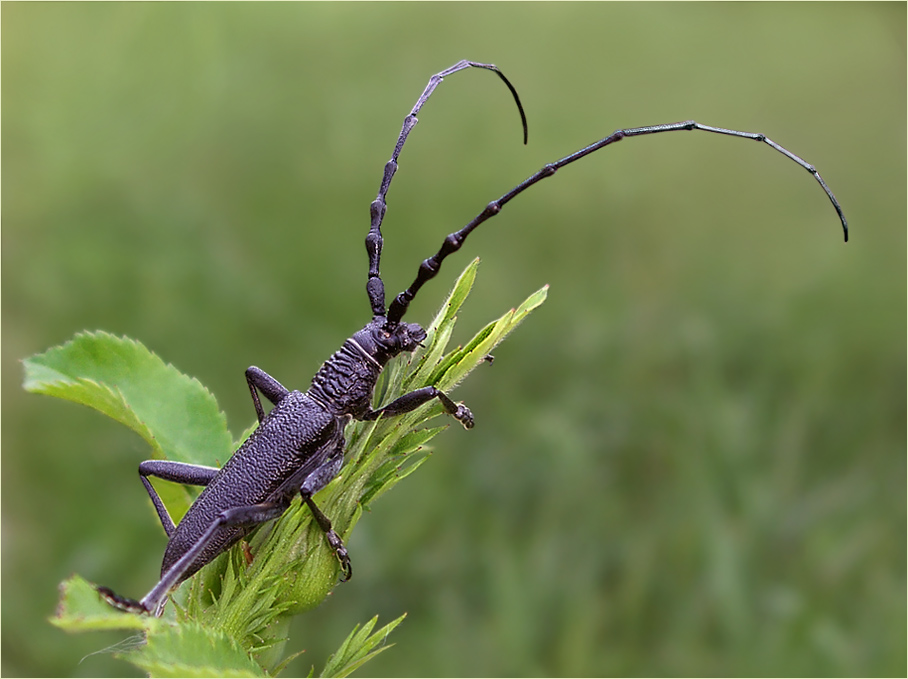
(383, 340)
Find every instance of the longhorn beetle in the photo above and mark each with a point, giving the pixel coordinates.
(298, 447)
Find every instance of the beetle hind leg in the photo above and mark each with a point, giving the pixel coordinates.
(153, 602)
(121, 602)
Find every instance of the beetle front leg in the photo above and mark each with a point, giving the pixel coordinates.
(412, 400)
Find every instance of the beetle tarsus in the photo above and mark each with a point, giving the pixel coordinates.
(465, 416)
(121, 602)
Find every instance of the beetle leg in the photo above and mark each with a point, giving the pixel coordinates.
(333, 538)
(333, 459)
(153, 602)
(414, 399)
(273, 390)
(180, 472)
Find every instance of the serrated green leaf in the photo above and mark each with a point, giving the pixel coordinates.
(175, 414)
(124, 380)
(170, 650)
(191, 650)
(81, 609)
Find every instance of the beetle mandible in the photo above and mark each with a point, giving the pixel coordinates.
(298, 447)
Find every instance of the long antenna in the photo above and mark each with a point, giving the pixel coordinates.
(374, 286)
(452, 243)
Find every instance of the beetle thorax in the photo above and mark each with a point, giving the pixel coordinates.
(345, 382)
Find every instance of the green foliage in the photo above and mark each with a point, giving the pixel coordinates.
(125, 381)
(359, 647)
(231, 619)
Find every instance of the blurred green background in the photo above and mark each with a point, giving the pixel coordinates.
(690, 461)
